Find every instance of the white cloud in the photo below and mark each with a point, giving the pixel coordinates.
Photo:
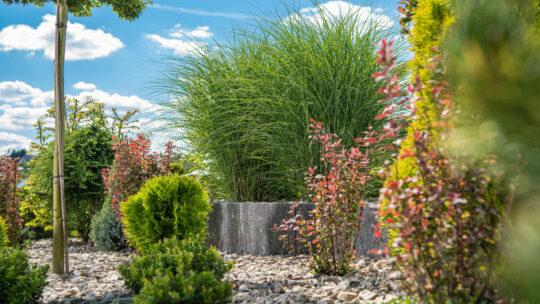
(84, 86)
(82, 43)
(19, 93)
(21, 105)
(121, 102)
(341, 9)
(12, 141)
(179, 46)
(201, 32)
(19, 118)
(182, 41)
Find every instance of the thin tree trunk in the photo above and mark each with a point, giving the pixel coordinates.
(60, 254)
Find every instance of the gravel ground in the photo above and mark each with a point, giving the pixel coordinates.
(276, 279)
(256, 279)
(93, 275)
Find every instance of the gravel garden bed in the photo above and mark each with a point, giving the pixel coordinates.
(257, 279)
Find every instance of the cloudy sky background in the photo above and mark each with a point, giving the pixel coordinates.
(117, 62)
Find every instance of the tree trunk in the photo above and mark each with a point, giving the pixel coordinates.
(60, 255)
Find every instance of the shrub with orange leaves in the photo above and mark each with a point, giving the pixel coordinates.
(133, 165)
(338, 190)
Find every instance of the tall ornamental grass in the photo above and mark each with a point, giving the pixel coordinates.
(245, 105)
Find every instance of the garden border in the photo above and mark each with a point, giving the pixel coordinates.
(246, 228)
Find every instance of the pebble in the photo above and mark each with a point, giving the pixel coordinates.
(288, 279)
(93, 278)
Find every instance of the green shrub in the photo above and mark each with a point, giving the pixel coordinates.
(20, 283)
(88, 151)
(245, 106)
(194, 288)
(3, 233)
(172, 255)
(107, 231)
(165, 206)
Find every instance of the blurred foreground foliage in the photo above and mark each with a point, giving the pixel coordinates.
(494, 64)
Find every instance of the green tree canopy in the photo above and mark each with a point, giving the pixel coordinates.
(85, 113)
(125, 9)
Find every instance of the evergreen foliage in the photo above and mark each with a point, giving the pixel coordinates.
(165, 206)
(20, 283)
(445, 211)
(107, 231)
(190, 254)
(431, 20)
(176, 271)
(17, 153)
(195, 288)
(125, 9)
(88, 151)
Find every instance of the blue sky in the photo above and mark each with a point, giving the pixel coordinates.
(116, 61)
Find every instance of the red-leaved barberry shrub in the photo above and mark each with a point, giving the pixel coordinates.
(449, 213)
(9, 201)
(338, 190)
(133, 165)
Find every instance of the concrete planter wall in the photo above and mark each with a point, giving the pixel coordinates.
(246, 228)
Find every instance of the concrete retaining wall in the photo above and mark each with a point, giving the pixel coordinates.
(247, 228)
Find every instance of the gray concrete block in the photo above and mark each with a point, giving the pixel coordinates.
(246, 228)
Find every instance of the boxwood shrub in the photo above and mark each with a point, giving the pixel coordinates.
(19, 282)
(196, 288)
(176, 256)
(178, 271)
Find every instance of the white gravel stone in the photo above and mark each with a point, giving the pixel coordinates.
(93, 275)
(256, 279)
(288, 279)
